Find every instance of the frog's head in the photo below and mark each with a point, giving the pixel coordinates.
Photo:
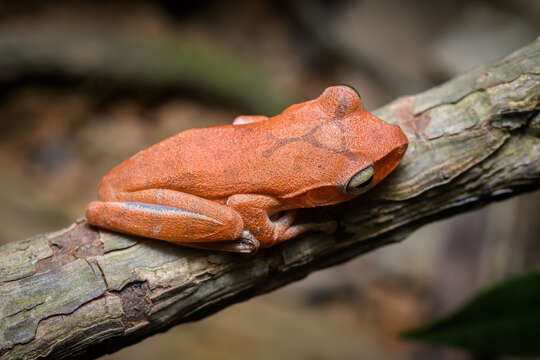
(339, 149)
(373, 146)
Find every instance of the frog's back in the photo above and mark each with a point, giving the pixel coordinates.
(318, 143)
(219, 161)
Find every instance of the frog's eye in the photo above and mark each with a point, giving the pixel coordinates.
(340, 100)
(351, 88)
(360, 182)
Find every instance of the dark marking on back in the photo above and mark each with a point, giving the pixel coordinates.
(341, 110)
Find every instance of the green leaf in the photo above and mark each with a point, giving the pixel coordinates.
(504, 319)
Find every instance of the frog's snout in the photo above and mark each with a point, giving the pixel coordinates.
(401, 143)
(402, 136)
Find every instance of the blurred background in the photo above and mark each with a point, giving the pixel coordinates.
(84, 85)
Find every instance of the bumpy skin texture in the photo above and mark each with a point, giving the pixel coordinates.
(236, 187)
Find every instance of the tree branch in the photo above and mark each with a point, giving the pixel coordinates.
(85, 292)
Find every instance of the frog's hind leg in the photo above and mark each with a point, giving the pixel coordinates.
(255, 210)
(246, 245)
(171, 216)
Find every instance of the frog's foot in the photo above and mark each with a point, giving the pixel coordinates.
(268, 229)
(178, 217)
(247, 244)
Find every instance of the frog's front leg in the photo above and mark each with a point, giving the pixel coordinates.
(172, 216)
(248, 119)
(256, 211)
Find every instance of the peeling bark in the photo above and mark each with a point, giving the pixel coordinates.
(84, 292)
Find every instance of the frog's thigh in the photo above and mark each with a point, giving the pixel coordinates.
(167, 215)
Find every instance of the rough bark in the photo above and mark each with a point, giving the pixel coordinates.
(85, 292)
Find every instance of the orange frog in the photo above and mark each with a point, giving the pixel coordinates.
(237, 187)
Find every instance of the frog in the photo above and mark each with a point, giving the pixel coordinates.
(238, 187)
